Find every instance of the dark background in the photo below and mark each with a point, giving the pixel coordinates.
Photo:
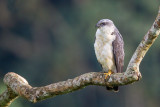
(47, 41)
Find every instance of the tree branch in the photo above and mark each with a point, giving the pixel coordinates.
(18, 86)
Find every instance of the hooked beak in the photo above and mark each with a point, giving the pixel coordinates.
(97, 25)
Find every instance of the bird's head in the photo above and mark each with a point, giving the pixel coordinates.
(105, 28)
(104, 22)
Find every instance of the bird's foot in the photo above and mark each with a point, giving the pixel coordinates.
(108, 74)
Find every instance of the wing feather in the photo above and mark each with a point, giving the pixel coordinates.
(118, 51)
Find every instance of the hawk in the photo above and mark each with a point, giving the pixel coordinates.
(109, 48)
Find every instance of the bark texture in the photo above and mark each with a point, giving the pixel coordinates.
(18, 86)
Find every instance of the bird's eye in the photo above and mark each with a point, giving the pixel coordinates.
(102, 24)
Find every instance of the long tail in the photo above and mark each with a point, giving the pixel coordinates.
(115, 89)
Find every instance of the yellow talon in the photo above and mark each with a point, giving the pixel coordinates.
(108, 74)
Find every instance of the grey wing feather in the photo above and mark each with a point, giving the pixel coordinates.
(118, 51)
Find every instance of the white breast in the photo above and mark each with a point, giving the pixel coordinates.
(104, 50)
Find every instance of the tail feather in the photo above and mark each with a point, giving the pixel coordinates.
(115, 89)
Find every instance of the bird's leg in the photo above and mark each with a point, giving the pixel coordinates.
(108, 73)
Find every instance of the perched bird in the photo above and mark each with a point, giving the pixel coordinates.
(109, 48)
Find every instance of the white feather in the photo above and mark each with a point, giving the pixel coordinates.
(104, 49)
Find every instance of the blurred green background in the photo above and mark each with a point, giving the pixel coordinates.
(47, 41)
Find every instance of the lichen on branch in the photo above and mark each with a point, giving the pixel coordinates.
(18, 86)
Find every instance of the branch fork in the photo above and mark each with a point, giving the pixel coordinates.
(18, 86)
